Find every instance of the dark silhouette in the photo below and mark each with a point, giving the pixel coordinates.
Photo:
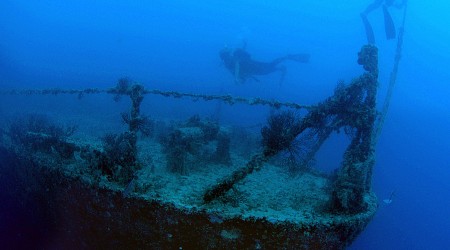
(388, 22)
(243, 67)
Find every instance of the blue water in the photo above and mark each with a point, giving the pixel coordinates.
(174, 45)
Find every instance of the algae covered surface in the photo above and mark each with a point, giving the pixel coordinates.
(256, 212)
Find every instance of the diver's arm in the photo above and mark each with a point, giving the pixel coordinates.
(373, 6)
(401, 4)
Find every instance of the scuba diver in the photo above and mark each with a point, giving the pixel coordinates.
(388, 22)
(243, 67)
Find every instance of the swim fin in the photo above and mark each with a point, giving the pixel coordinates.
(301, 58)
(369, 31)
(389, 26)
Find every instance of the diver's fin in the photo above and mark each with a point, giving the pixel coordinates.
(301, 58)
(369, 31)
(389, 26)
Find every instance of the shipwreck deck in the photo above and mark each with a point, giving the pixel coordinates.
(270, 209)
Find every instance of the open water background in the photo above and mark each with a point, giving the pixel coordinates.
(174, 45)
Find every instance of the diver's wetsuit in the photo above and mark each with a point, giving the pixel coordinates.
(242, 66)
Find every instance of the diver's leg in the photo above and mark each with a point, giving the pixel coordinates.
(301, 58)
(389, 3)
(400, 5)
(277, 61)
(373, 6)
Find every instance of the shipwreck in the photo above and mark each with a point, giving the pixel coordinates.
(195, 184)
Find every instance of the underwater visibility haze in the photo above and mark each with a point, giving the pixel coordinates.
(140, 92)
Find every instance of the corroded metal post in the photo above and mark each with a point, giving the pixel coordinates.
(353, 180)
